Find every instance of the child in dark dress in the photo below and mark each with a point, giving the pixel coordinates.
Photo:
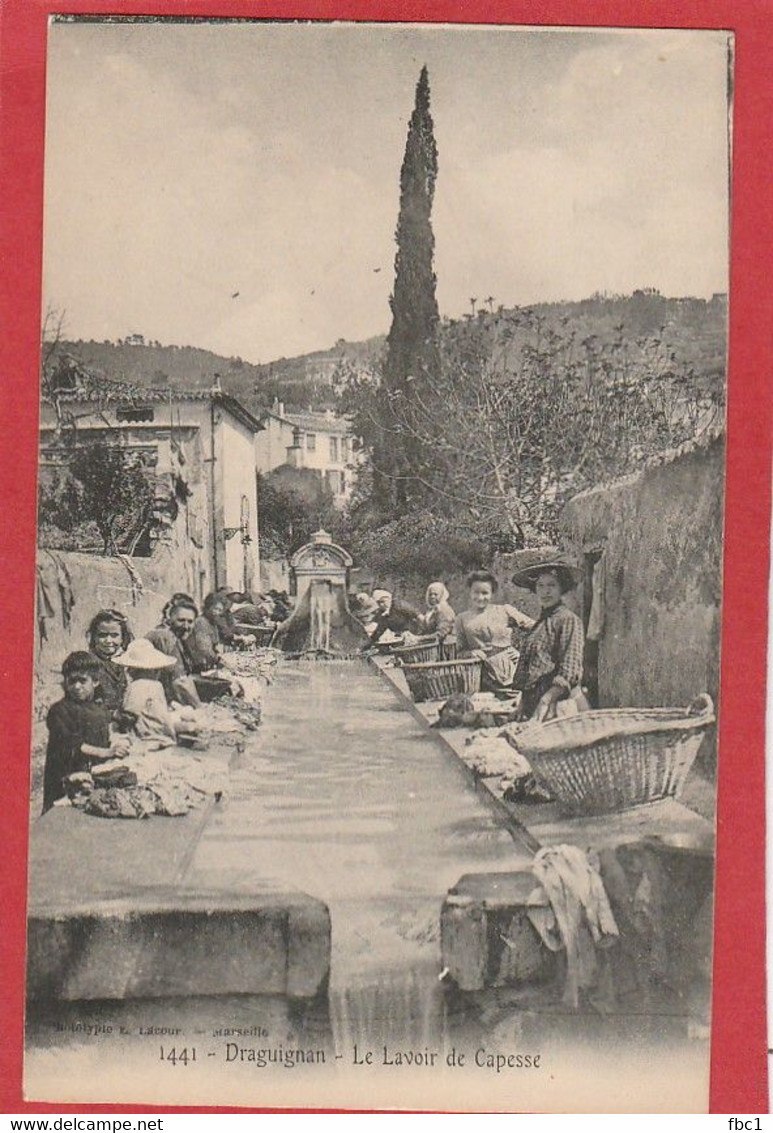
(78, 727)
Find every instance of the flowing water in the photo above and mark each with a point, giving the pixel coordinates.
(345, 796)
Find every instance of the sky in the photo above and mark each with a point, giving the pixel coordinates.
(235, 186)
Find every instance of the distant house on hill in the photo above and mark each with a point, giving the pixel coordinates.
(199, 446)
(319, 441)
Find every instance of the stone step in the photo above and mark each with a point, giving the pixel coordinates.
(661, 897)
(183, 943)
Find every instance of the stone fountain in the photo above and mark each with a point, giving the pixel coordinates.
(321, 622)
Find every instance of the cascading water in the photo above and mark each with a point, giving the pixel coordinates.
(321, 622)
(353, 802)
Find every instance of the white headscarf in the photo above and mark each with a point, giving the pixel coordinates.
(379, 594)
(435, 588)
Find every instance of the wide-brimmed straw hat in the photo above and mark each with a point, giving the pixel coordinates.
(142, 654)
(567, 573)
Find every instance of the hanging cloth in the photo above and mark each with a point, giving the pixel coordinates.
(598, 603)
(578, 919)
(44, 606)
(64, 583)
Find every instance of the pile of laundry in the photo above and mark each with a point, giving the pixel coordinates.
(253, 665)
(475, 710)
(492, 753)
(243, 713)
(488, 753)
(154, 782)
(218, 718)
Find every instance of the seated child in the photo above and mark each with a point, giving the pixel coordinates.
(78, 727)
(145, 699)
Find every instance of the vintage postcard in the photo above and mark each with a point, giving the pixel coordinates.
(379, 577)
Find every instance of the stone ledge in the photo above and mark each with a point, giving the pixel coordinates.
(534, 826)
(188, 944)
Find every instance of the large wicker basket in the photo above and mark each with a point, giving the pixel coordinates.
(611, 759)
(423, 649)
(437, 680)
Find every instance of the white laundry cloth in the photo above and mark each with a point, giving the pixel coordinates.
(595, 630)
(578, 918)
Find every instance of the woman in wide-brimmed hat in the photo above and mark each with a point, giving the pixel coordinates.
(551, 661)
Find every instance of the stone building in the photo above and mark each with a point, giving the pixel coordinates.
(199, 446)
(321, 442)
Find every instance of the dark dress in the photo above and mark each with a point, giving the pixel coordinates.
(202, 644)
(168, 642)
(249, 615)
(71, 724)
(399, 618)
(113, 683)
(226, 625)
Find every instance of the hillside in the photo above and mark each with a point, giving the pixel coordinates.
(299, 382)
(694, 329)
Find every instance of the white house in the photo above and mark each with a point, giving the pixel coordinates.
(319, 441)
(199, 443)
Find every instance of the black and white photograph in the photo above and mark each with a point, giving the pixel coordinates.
(379, 566)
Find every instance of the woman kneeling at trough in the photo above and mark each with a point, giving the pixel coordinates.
(551, 662)
(393, 617)
(484, 630)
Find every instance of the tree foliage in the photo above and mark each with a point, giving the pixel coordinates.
(103, 486)
(527, 411)
(293, 504)
(412, 359)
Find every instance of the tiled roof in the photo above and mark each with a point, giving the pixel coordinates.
(311, 422)
(94, 387)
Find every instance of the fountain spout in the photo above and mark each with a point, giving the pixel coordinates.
(321, 621)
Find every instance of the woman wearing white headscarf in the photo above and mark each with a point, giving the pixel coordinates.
(440, 616)
(393, 615)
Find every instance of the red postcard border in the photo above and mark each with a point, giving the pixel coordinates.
(738, 1052)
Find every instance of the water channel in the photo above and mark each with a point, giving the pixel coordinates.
(345, 796)
(342, 794)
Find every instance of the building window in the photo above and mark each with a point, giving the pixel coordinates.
(334, 448)
(333, 478)
(344, 448)
(311, 442)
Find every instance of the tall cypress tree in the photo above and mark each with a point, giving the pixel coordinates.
(412, 355)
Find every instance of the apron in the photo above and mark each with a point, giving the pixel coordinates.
(499, 670)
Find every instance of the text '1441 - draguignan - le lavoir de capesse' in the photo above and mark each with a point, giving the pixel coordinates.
(380, 531)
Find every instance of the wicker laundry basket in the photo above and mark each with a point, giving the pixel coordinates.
(611, 759)
(437, 680)
(423, 649)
